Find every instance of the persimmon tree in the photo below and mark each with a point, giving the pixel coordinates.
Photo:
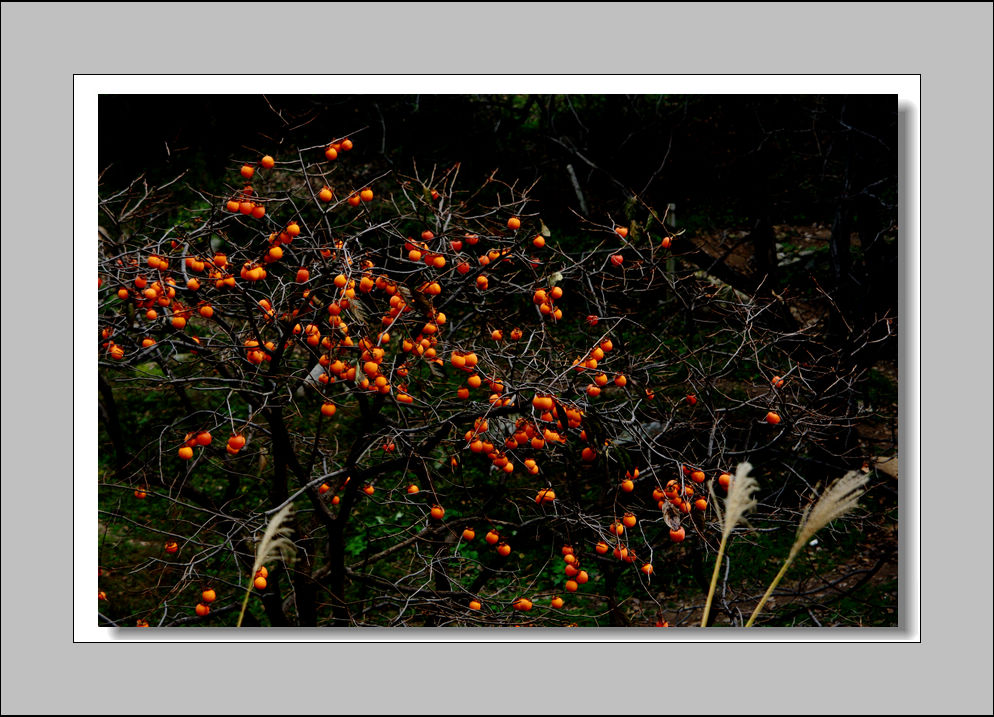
(477, 418)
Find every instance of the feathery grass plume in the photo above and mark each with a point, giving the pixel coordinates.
(840, 498)
(275, 544)
(737, 504)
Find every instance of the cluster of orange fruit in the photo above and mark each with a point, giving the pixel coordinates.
(191, 441)
(335, 500)
(256, 355)
(772, 417)
(242, 202)
(206, 598)
(492, 538)
(467, 361)
(545, 300)
(574, 574)
(422, 252)
(594, 356)
(259, 581)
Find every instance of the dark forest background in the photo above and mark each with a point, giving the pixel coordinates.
(728, 162)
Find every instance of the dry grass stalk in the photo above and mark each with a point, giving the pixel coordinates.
(739, 502)
(840, 498)
(275, 544)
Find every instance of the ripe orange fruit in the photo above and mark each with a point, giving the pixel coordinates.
(504, 550)
(267, 162)
(203, 610)
(412, 489)
(772, 418)
(621, 231)
(538, 242)
(346, 144)
(492, 537)
(546, 495)
(777, 382)
(572, 586)
(474, 605)
(617, 259)
(627, 485)
(260, 582)
(556, 602)
(667, 241)
(697, 477)
(691, 399)
(258, 211)
(543, 403)
(701, 504)
(323, 488)
(523, 604)
(366, 195)
(468, 534)
(171, 546)
(331, 153)
(368, 489)
(186, 453)
(647, 568)
(204, 438)
(513, 223)
(724, 480)
(629, 520)
(140, 494)
(678, 535)
(247, 171)
(208, 595)
(325, 195)
(437, 512)
(328, 409)
(601, 548)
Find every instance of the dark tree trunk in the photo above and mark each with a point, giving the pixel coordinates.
(112, 422)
